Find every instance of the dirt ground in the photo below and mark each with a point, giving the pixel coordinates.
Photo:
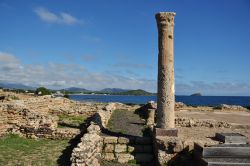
(239, 117)
(126, 122)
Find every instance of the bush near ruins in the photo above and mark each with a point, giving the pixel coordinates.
(43, 91)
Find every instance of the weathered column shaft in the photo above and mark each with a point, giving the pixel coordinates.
(166, 89)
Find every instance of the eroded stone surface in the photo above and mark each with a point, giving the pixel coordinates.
(88, 151)
(166, 89)
(110, 139)
(120, 148)
(123, 140)
(124, 157)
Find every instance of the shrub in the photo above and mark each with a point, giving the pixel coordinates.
(43, 91)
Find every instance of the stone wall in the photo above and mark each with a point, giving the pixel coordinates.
(171, 149)
(102, 116)
(88, 151)
(189, 122)
(15, 118)
(148, 112)
(124, 149)
(18, 119)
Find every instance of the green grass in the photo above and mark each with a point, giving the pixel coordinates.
(15, 150)
(71, 120)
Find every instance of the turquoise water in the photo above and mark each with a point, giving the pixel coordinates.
(189, 100)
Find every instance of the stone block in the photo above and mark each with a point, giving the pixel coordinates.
(171, 132)
(169, 144)
(227, 150)
(151, 117)
(109, 156)
(124, 157)
(110, 139)
(119, 148)
(231, 138)
(131, 149)
(143, 140)
(188, 145)
(109, 148)
(226, 161)
(123, 140)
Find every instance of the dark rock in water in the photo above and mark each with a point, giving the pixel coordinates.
(196, 94)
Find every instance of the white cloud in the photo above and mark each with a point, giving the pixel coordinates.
(55, 75)
(7, 58)
(62, 18)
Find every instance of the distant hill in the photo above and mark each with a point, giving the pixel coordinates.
(196, 94)
(75, 89)
(138, 92)
(16, 86)
(113, 90)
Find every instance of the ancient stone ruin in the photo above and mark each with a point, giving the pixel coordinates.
(166, 87)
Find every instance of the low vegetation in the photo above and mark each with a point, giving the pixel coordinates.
(43, 91)
(15, 150)
(138, 92)
(71, 120)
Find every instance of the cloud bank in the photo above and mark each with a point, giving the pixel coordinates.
(57, 76)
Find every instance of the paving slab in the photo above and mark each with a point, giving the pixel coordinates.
(231, 138)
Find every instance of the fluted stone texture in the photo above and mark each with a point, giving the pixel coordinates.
(166, 86)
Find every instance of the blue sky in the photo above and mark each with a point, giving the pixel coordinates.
(99, 44)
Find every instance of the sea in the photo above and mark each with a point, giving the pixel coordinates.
(188, 100)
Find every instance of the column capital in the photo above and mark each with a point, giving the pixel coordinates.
(165, 19)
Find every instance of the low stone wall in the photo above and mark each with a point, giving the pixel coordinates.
(189, 122)
(117, 148)
(124, 149)
(17, 119)
(170, 149)
(102, 116)
(88, 151)
(149, 112)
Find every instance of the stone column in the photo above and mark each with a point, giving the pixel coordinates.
(166, 89)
